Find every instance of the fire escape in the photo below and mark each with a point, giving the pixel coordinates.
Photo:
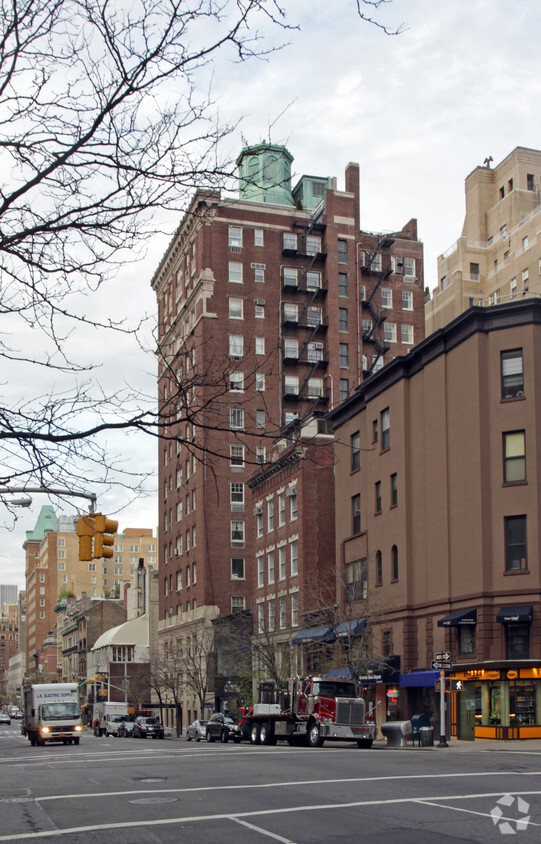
(372, 268)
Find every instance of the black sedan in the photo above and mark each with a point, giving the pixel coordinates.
(222, 728)
(147, 727)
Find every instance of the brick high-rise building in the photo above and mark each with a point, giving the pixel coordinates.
(271, 304)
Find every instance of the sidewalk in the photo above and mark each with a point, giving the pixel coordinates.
(455, 745)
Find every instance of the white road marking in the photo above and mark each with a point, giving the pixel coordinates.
(261, 831)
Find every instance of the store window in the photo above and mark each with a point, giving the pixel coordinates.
(522, 709)
(518, 640)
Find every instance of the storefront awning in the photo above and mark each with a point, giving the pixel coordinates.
(508, 614)
(458, 618)
(418, 678)
(314, 634)
(352, 627)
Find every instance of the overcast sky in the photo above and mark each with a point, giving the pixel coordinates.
(418, 112)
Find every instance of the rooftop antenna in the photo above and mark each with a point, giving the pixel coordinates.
(488, 161)
(276, 119)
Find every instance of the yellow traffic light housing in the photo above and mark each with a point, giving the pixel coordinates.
(104, 536)
(85, 532)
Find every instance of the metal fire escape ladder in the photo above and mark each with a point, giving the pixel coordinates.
(384, 242)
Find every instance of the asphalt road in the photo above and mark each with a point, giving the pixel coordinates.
(128, 791)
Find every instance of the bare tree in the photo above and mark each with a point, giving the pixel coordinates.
(194, 657)
(166, 678)
(106, 126)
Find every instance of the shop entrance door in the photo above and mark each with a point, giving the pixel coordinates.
(466, 712)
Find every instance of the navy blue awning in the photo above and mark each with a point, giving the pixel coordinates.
(314, 634)
(458, 618)
(509, 614)
(418, 678)
(352, 627)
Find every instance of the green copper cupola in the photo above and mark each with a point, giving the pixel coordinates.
(265, 174)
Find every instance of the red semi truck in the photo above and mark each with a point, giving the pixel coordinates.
(317, 709)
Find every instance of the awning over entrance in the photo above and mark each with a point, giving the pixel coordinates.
(314, 634)
(458, 618)
(418, 678)
(522, 613)
(353, 627)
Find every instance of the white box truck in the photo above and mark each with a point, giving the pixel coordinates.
(108, 716)
(52, 712)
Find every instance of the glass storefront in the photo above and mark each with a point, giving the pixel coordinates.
(507, 707)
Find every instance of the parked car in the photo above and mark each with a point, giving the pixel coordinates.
(196, 730)
(4, 718)
(125, 728)
(223, 728)
(147, 727)
(18, 714)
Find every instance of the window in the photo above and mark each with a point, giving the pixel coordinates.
(409, 269)
(524, 243)
(344, 388)
(260, 571)
(270, 567)
(237, 533)
(387, 298)
(355, 451)
(466, 640)
(235, 272)
(394, 562)
(236, 345)
(290, 241)
(518, 641)
(375, 430)
(314, 315)
(529, 181)
(282, 562)
(344, 355)
(260, 454)
(291, 348)
(342, 251)
(236, 418)
(236, 456)
(260, 418)
(516, 554)
(179, 581)
(291, 312)
(443, 282)
(343, 319)
(260, 345)
(389, 332)
(313, 280)
(270, 515)
(236, 380)
(290, 277)
(261, 618)
(407, 334)
(258, 237)
(407, 300)
(385, 429)
(236, 309)
(235, 236)
(376, 263)
(260, 382)
(259, 275)
(356, 514)
(292, 495)
(294, 609)
(377, 493)
(379, 568)
(394, 490)
(356, 581)
(342, 284)
(236, 493)
(259, 311)
(270, 612)
(238, 602)
(313, 244)
(512, 374)
(525, 281)
(315, 352)
(294, 557)
(291, 385)
(237, 568)
(514, 457)
(259, 521)
(315, 388)
(281, 509)
(513, 288)
(387, 642)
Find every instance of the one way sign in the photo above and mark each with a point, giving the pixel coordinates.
(445, 656)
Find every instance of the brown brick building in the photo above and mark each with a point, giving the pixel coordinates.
(437, 493)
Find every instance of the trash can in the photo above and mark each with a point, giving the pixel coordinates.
(427, 736)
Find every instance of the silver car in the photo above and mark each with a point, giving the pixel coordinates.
(196, 730)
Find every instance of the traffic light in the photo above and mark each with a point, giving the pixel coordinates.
(85, 532)
(104, 536)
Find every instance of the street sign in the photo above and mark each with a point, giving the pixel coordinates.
(445, 656)
(442, 665)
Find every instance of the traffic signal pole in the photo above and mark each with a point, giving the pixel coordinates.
(442, 743)
(90, 496)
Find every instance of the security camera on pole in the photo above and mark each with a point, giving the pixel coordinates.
(442, 663)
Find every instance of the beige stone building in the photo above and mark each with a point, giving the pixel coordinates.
(438, 482)
(497, 258)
